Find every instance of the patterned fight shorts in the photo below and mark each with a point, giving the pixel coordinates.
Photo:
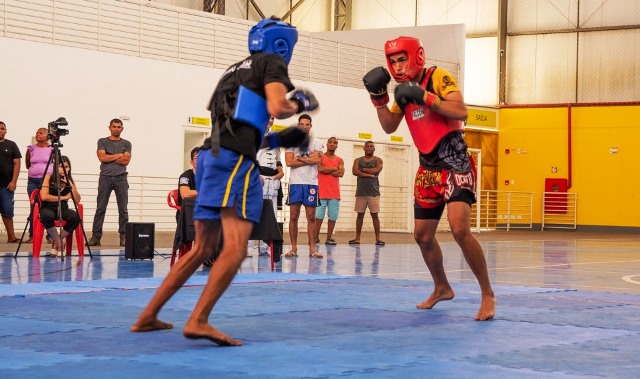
(434, 188)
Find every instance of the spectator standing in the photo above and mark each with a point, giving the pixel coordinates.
(366, 169)
(303, 188)
(186, 189)
(187, 180)
(36, 159)
(270, 174)
(9, 170)
(114, 153)
(330, 170)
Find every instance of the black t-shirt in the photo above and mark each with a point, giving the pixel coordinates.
(8, 152)
(188, 179)
(254, 73)
(53, 191)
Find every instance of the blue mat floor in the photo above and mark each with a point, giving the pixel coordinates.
(565, 310)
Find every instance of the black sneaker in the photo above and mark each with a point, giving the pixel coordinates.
(93, 241)
(122, 240)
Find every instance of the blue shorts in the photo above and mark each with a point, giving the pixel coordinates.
(225, 180)
(6, 202)
(306, 194)
(332, 206)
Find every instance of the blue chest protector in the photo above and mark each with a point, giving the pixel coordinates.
(251, 109)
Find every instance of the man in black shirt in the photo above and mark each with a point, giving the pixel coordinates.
(187, 180)
(9, 170)
(227, 178)
(186, 189)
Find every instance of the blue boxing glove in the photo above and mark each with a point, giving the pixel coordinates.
(288, 137)
(305, 99)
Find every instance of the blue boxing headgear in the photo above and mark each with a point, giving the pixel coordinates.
(273, 36)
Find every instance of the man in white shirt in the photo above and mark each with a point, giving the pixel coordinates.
(303, 187)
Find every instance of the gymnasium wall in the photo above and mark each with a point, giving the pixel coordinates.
(42, 82)
(605, 173)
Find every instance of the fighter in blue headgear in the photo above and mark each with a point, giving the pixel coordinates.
(230, 196)
(273, 36)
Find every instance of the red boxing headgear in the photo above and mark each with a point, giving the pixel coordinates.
(415, 56)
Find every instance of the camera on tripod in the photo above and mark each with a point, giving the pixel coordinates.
(54, 130)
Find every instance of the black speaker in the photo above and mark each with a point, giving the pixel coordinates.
(139, 239)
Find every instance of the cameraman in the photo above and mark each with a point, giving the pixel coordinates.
(114, 154)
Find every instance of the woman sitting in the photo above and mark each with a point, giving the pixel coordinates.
(49, 208)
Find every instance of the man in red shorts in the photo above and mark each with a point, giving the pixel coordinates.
(431, 103)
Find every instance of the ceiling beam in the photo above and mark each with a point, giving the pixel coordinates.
(342, 15)
(299, 3)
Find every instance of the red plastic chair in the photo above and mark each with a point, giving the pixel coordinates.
(172, 201)
(38, 228)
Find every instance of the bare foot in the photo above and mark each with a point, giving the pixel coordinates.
(435, 298)
(487, 309)
(150, 325)
(207, 331)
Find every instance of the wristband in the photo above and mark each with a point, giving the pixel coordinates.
(436, 104)
(380, 102)
(432, 100)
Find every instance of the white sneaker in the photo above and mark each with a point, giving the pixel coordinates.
(264, 249)
(55, 252)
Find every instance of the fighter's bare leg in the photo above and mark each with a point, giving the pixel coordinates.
(206, 238)
(459, 214)
(236, 233)
(424, 234)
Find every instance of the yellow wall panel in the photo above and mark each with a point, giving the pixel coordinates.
(605, 168)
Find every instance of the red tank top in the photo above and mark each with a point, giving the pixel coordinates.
(329, 185)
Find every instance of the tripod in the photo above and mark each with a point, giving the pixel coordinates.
(56, 158)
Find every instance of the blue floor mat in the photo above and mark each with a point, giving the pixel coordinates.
(313, 326)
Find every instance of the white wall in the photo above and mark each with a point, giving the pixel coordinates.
(481, 71)
(41, 82)
(191, 4)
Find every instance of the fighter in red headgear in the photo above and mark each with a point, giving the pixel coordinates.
(432, 105)
(415, 57)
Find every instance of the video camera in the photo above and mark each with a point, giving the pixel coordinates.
(54, 130)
